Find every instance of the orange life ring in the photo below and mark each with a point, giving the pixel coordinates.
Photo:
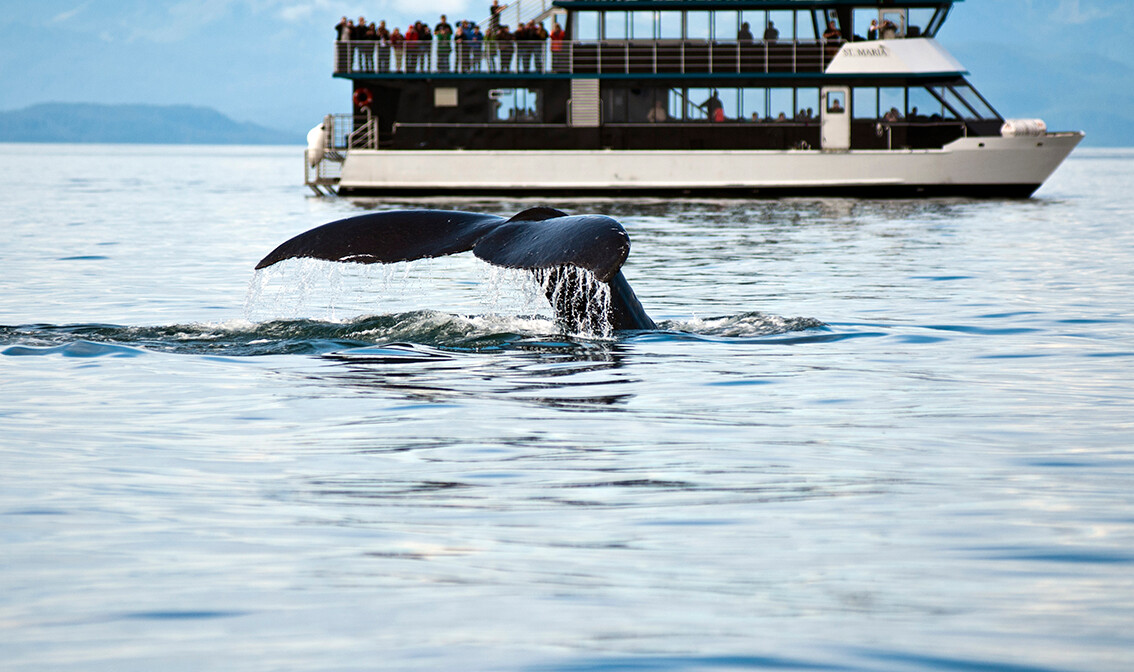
(362, 97)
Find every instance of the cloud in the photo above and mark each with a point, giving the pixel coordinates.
(1073, 12)
(63, 17)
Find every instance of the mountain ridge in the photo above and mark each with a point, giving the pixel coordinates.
(133, 123)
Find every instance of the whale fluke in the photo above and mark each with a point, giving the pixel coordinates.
(544, 240)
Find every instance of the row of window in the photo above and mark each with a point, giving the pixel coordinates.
(728, 24)
(654, 105)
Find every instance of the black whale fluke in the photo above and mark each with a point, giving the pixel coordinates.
(544, 240)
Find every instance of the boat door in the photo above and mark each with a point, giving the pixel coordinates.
(834, 121)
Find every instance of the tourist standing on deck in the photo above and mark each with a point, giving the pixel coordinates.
(398, 46)
(539, 47)
(477, 47)
(494, 16)
(342, 44)
(506, 42)
(357, 38)
(383, 34)
(425, 48)
(558, 64)
(444, 34)
(411, 48)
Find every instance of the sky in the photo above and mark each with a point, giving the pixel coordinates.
(269, 61)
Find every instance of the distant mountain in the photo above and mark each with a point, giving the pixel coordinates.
(150, 124)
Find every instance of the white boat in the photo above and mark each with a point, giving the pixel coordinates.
(679, 97)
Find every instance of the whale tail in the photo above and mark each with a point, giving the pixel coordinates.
(549, 242)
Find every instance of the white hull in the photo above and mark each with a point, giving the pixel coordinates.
(1011, 166)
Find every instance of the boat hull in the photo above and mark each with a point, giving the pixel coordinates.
(978, 166)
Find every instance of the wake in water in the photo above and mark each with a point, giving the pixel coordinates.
(418, 333)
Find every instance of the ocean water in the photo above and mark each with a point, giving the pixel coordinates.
(868, 435)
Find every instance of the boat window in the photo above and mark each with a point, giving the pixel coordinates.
(865, 105)
(781, 102)
(892, 23)
(615, 25)
(695, 107)
(836, 102)
(586, 26)
(697, 25)
(725, 26)
(970, 96)
(753, 102)
(669, 25)
(860, 22)
(924, 106)
(807, 103)
(919, 21)
(642, 25)
(516, 105)
(891, 103)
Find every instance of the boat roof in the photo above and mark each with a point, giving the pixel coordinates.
(619, 5)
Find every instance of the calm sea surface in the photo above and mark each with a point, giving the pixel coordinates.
(870, 435)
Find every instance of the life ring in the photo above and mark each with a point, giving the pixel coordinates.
(362, 97)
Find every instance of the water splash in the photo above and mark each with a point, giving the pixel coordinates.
(582, 301)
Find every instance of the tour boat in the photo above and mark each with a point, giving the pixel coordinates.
(716, 97)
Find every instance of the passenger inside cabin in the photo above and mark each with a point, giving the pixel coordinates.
(714, 107)
(657, 113)
(872, 31)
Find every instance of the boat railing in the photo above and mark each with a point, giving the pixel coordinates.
(584, 57)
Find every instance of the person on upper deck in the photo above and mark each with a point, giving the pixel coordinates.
(771, 34)
(342, 50)
(744, 35)
(444, 34)
(832, 33)
(558, 54)
(494, 15)
(872, 31)
(506, 44)
(382, 34)
(398, 47)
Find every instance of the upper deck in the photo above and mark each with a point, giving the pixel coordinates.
(642, 39)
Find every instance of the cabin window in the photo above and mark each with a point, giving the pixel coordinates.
(642, 25)
(445, 96)
(865, 105)
(669, 25)
(966, 93)
(615, 25)
(781, 104)
(891, 101)
(836, 102)
(586, 26)
(515, 105)
(896, 18)
(697, 25)
(753, 104)
(924, 106)
(919, 19)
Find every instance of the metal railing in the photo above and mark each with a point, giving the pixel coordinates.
(341, 132)
(584, 57)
